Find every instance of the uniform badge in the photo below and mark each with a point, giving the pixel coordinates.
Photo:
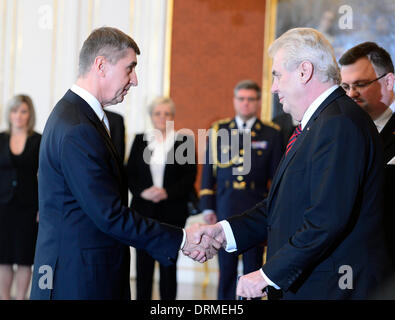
(259, 144)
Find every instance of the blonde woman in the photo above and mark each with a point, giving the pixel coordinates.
(160, 186)
(19, 147)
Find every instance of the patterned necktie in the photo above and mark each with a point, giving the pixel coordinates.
(297, 132)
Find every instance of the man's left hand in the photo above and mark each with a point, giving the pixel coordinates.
(251, 285)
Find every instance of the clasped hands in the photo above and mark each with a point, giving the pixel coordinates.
(154, 194)
(203, 242)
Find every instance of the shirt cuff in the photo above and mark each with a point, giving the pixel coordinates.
(268, 281)
(230, 239)
(184, 236)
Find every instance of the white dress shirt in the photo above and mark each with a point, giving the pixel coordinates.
(392, 106)
(93, 103)
(231, 245)
(159, 149)
(249, 123)
(381, 121)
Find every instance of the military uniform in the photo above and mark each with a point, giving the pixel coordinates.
(228, 191)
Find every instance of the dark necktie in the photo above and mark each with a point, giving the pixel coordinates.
(297, 132)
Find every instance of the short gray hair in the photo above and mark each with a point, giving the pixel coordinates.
(108, 42)
(15, 103)
(249, 85)
(307, 44)
(162, 100)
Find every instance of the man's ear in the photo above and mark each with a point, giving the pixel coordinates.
(99, 65)
(305, 71)
(389, 81)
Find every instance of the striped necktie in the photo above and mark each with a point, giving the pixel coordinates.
(297, 132)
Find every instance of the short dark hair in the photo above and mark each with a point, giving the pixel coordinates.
(105, 41)
(378, 56)
(249, 85)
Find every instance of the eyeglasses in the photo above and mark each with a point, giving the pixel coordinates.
(249, 99)
(360, 85)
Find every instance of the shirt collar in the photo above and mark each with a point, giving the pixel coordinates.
(316, 103)
(381, 121)
(249, 123)
(90, 99)
(392, 106)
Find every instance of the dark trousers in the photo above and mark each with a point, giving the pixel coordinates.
(145, 270)
(252, 261)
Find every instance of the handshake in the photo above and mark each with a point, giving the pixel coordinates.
(203, 241)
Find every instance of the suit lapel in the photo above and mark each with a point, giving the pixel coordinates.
(91, 115)
(388, 137)
(299, 141)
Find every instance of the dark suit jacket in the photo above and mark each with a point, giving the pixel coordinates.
(13, 182)
(117, 129)
(324, 208)
(85, 224)
(287, 127)
(178, 181)
(388, 137)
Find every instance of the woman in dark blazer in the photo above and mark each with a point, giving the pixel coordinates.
(160, 184)
(19, 147)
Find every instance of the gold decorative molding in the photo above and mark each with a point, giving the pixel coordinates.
(167, 62)
(53, 53)
(270, 31)
(2, 56)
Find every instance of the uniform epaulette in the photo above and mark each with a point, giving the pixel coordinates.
(221, 121)
(271, 124)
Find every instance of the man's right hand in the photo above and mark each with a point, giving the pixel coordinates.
(210, 218)
(211, 237)
(199, 248)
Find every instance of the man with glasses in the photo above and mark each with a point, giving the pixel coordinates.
(228, 187)
(367, 75)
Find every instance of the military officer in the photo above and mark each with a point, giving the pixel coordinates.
(241, 158)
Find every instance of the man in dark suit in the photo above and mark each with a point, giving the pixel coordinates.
(225, 193)
(287, 125)
(86, 227)
(368, 78)
(323, 216)
(117, 131)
